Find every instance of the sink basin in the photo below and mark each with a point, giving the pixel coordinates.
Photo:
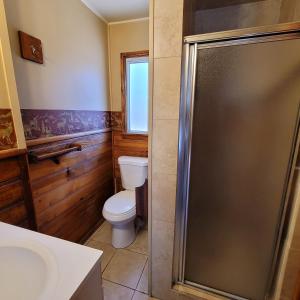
(28, 271)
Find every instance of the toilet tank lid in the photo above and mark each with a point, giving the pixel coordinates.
(133, 160)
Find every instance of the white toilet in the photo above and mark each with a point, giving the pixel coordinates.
(120, 209)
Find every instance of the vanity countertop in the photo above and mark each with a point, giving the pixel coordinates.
(71, 263)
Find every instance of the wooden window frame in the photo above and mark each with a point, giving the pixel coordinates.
(124, 57)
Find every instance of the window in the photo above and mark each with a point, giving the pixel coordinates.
(135, 92)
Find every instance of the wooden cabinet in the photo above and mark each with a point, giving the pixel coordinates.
(15, 194)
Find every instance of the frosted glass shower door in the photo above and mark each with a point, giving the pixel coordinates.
(244, 128)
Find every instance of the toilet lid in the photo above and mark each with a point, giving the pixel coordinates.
(120, 203)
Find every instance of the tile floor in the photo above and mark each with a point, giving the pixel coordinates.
(124, 271)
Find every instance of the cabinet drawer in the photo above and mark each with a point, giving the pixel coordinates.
(11, 193)
(14, 215)
(9, 169)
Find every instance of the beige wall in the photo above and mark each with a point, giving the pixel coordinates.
(124, 37)
(4, 100)
(75, 71)
(8, 89)
(4, 103)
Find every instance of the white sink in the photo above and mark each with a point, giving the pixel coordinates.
(35, 266)
(28, 271)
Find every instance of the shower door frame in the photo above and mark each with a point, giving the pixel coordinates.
(278, 32)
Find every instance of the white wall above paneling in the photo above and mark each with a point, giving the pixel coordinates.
(74, 75)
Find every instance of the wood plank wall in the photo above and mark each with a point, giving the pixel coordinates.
(128, 145)
(68, 197)
(15, 194)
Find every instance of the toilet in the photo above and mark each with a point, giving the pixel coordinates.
(120, 209)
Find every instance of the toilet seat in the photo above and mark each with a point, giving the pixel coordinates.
(120, 207)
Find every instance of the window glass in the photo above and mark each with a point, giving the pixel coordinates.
(137, 94)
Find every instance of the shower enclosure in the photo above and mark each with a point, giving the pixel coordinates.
(238, 141)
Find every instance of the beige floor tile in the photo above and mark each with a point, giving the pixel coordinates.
(141, 296)
(108, 251)
(125, 268)
(143, 283)
(103, 234)
(140, 245)
(114, 291)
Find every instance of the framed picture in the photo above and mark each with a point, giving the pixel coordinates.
(31, 48)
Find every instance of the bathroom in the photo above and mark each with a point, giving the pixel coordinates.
(104, 179)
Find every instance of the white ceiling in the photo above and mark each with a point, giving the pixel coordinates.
(118, 10)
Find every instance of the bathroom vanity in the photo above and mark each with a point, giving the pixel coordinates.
(37, 266)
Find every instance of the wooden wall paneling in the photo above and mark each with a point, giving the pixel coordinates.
(69, 225)
(91, 209)
(67, 201)
(69, 196)
(73, 184)
(127, 145)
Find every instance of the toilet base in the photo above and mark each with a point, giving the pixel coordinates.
(123, 235)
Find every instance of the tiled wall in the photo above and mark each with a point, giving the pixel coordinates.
(166, 52)
(167, 47)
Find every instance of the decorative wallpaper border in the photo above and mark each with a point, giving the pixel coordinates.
(47, 123)
(8, 138)
(116, 120)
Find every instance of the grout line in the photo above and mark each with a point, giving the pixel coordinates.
(136, 252)
(135, 289)
(133, 294)
(108, 262)
(119, 284)
(141, 275)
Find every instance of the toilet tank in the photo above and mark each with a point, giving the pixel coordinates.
(134, 171)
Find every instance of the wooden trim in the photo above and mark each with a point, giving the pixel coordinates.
(58, 138)
(134, 136)
(92, 230)
(124, 56)
(141, 196)
(28, 192)
(11, 153)
(297, 289)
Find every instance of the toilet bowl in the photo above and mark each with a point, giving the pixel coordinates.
(120, 209)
